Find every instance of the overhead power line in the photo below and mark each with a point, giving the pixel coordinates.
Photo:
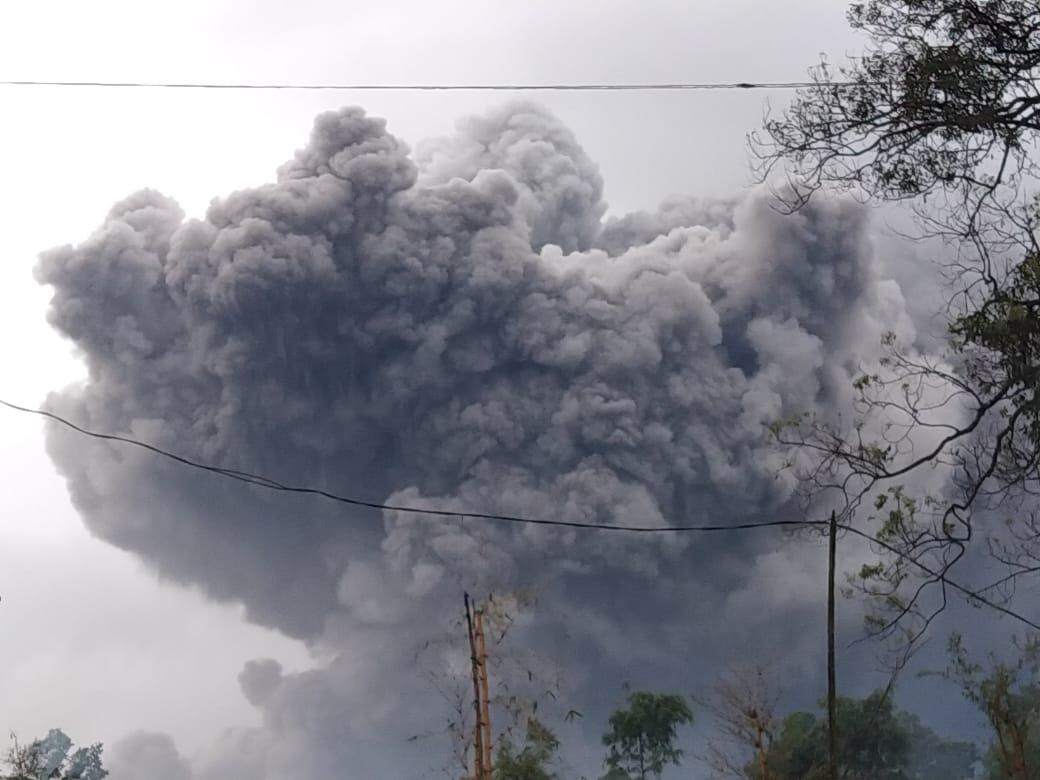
(372, 87)
(939, 577)
(266, 482)
(271, 484)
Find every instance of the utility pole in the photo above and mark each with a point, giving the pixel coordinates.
(482, 741)
(832, 733)
(478, 732)
(485, 704)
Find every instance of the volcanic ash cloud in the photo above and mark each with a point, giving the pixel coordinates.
(463, 330)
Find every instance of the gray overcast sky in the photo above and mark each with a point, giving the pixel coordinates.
(93, 641)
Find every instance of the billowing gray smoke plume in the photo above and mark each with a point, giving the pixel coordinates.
(463, 330)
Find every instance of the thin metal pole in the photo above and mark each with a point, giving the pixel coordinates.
(832, 726)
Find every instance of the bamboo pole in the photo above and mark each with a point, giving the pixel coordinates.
(479, 770)
(485, 707)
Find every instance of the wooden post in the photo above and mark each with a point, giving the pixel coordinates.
(479, 772)
(760, 746)
(485, 698)
(832, 726)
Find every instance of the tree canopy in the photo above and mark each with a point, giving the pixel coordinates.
(531, 762)
(642, 737)
(875, 742)
(872, 744)
(53, 758)
(1008, 694)
(941, 110)
(943, 89)
(743, 706)
(933, 757)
